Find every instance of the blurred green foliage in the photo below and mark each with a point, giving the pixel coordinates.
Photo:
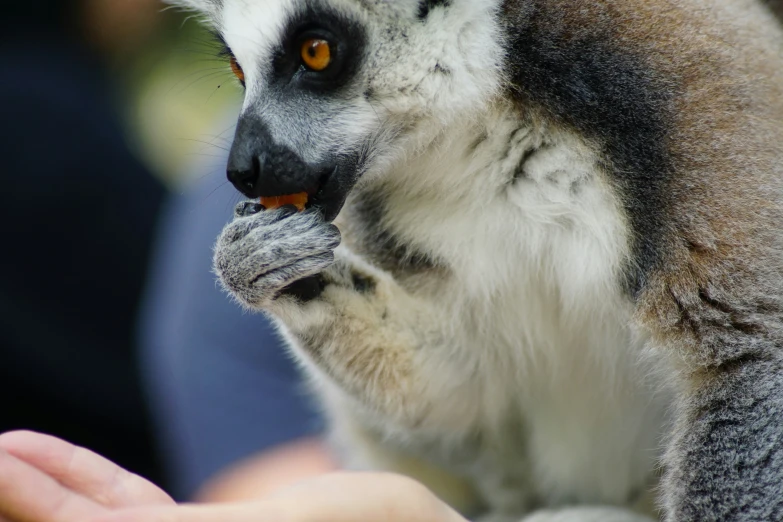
(181, 99)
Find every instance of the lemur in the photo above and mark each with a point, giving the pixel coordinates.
(541, 264)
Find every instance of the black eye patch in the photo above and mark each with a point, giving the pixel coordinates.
(346, 40)
(425, 6)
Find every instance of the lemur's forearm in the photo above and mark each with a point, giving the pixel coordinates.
(727, 450)
(367, 334)
(722, 334)
(358, 326)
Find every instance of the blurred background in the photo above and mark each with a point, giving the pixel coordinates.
(108, 109)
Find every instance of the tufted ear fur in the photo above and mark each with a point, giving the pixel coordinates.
(208, 7)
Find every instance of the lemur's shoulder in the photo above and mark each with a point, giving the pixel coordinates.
(684, 100)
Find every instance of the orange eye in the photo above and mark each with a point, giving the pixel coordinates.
(237, 70)
(316, 54)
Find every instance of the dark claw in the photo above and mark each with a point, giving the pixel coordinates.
(306, 289)
(248, 208)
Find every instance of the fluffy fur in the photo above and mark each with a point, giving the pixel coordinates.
(561, 260)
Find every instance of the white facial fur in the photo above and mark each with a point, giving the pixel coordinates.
(401, 80)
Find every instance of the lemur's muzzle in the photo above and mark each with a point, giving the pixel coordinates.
(259, 167)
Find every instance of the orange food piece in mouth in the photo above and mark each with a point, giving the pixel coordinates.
(298, 200)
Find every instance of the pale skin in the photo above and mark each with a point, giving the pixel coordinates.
(260, 475)
(44, 479)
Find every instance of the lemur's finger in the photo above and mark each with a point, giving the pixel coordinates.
(247, 208)
(82, 471)
(274, 283)
(287, 250)
(251, 220)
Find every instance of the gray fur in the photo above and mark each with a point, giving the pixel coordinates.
(258, 256)
(727, 454)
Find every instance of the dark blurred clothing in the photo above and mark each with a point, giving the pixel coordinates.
(77, 213)
(220, 380)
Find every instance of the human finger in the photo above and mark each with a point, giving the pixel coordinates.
(27, 494)
(83, 471)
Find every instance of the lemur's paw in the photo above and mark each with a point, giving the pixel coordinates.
(265, 254)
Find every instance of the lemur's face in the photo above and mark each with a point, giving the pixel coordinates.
(337, 89)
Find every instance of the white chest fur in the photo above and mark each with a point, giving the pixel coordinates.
(542, 361)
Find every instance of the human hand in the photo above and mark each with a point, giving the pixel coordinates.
(43, 479)
(257, 476)
(336, 497)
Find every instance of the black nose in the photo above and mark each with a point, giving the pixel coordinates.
(257, 166)
(245, 177)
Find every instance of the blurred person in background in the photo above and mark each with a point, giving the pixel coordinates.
(77, 213)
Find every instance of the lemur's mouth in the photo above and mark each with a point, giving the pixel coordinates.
(327, 194)
(332, 190)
